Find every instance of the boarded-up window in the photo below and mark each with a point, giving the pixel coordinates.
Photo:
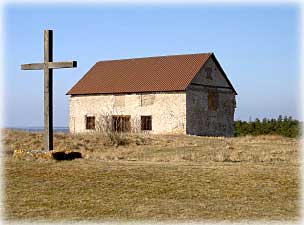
(193, 100)
(208, 73)
(121, 123)
(119, 100)
(212, 101)
(146, 122)
(147, 99)
(90, 122)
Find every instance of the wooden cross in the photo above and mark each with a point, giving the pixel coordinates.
(48, 65)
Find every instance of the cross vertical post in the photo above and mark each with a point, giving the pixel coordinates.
(48, 90)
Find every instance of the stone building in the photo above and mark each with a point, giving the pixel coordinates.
(167, 94)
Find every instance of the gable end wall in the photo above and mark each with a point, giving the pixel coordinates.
(202, 121)
(218, 78)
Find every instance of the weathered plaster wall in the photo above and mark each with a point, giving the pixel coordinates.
(168, 110)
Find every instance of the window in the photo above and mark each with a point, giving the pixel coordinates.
(208, 72)
(146, 122)
(212, 101)
(90, 122)
(121, 123)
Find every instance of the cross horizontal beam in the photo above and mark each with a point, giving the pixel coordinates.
(32, 66)
(58, 65)
(49, 65)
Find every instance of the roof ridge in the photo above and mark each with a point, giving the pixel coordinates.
(160, 56)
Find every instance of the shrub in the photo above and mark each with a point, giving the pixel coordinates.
(286, 126)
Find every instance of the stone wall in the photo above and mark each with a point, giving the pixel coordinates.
(168, 110)
(202, 121)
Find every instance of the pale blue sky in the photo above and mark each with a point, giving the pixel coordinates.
(257, 45)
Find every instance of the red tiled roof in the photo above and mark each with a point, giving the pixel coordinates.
(162, 73)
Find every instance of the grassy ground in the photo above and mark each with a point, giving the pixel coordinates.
(155, 177)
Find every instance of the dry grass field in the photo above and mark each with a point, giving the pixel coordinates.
(151, 177)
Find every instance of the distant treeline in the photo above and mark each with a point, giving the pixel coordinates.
(285, 126)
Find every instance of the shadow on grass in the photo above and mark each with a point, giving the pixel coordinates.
(66, 156)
